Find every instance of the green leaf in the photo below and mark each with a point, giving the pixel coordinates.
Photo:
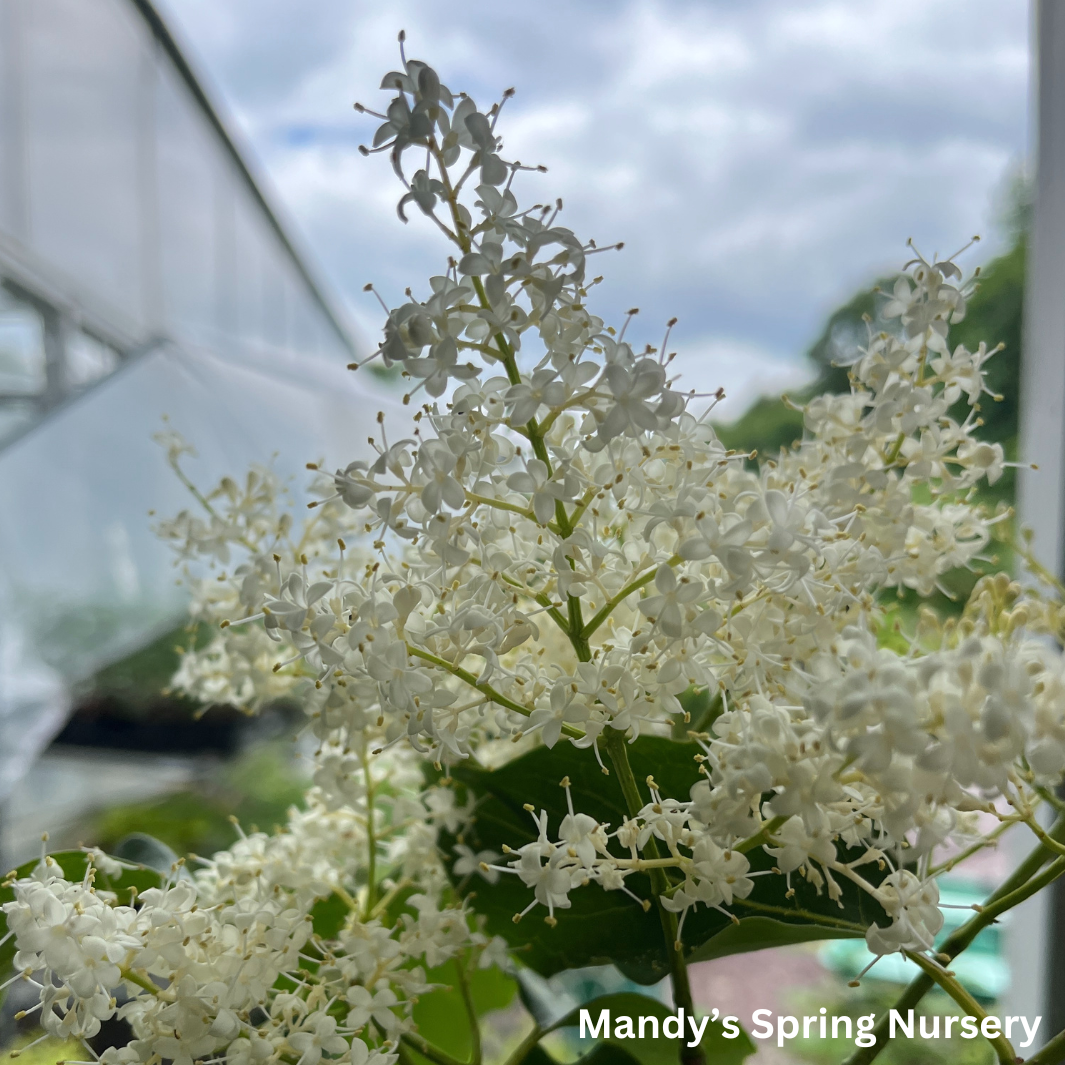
(620, 1003)
(399, 906)
(600, 1054)
(73, 865)
(702, 710)
(441, 1015)
(629, 1004)
(328, 916)
(722, 1051)
(760, 933)
(663, 1050)
(590, 932)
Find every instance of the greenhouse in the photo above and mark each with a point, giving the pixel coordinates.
(147, 284)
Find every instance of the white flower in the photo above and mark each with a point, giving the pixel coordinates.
(543, 489)
(366, 1006)
(467, 863)
(393, 670)
(321, 1037)
(566, 708)
(667, 607)
(913, 905)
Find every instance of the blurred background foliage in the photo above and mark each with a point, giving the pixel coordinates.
(137, 683)
(256, 790)
(249, 769)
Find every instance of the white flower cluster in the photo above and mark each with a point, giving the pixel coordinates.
(559, 550)
(224, 964)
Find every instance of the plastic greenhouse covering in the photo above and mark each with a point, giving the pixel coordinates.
(83, 579)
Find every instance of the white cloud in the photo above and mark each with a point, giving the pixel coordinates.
(745, 371)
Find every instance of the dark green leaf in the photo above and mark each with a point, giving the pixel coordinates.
(600, 1054)
(130, 882)
(328, 916)
(702, 710)
(607, 1054)
(538, 1056)
(647, 1051)
(722, 1051)
(620, 1003)
(609, 927)
(491, 989)
(399, 905)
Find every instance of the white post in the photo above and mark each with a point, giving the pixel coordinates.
(1037, 953)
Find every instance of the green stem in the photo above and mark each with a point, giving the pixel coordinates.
(471, 1012)
(583, 504)
(505, 351)
(792, 912)
(1005, 1052)
(761, 836)
(425, 1048)
(643, 864)
(349, 900)
(632, 586)
(536, 438)
(1052, 1052)
(1051, 799)
(678, 969)
(521, 1051)
(387, 898)
(1022, 884)
(541, 599)
(500, 504)
(371, 837)
(533, 429)
(206, 503)
(485, 689)
(961, 856)
(578, 634)
(576, 629)
(894, 454)
(140, 981)
(1040, 834)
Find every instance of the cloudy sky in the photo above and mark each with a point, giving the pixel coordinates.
(761, 159)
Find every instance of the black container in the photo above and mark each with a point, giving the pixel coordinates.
(165, 727)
